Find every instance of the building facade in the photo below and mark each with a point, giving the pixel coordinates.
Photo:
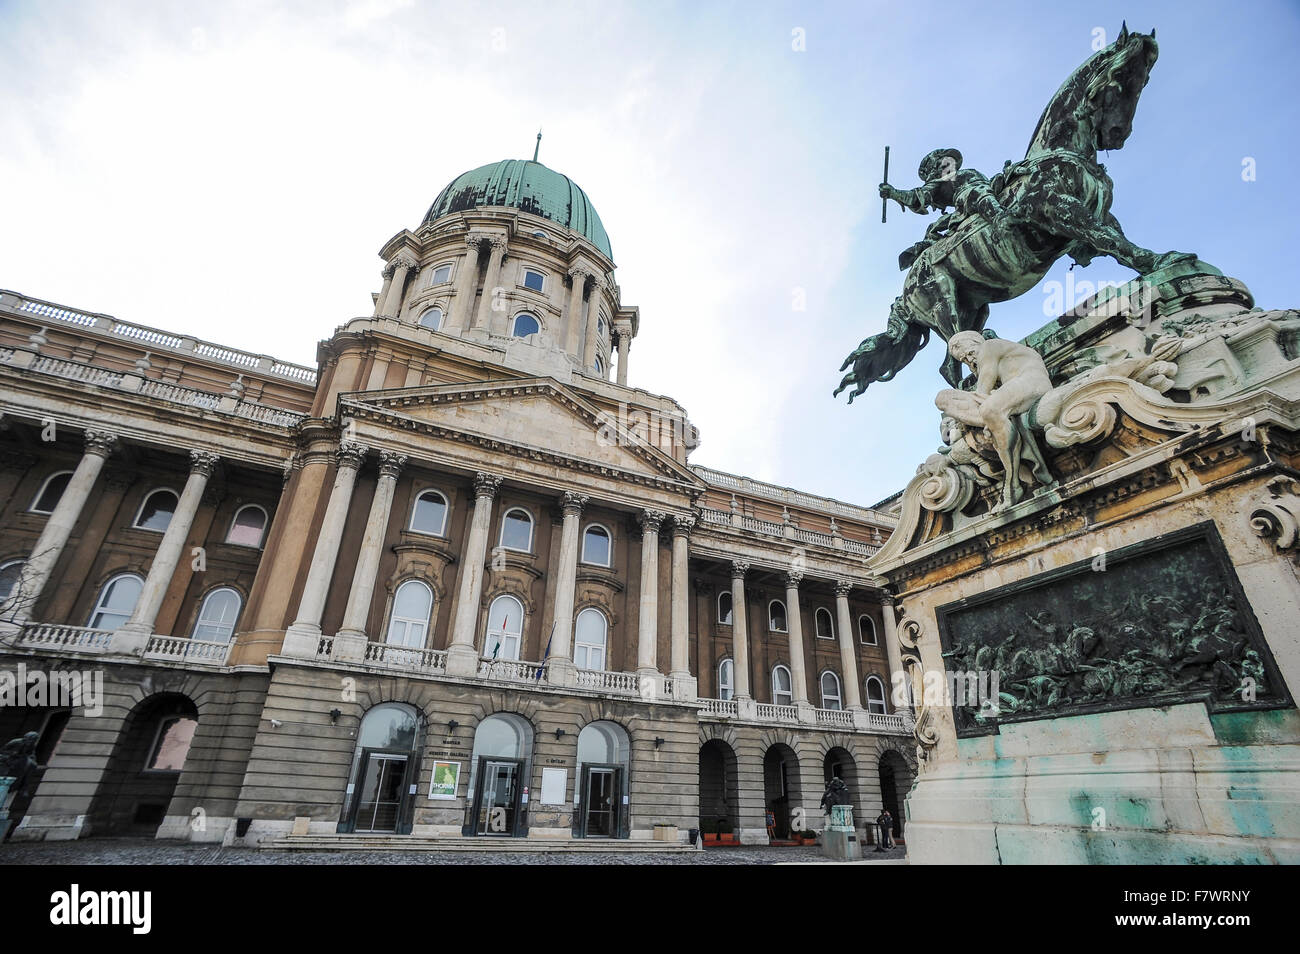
(460, 579)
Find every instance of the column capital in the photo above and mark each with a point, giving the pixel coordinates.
(485, 485)
(683, 525)
(580, 274)
(391, 463)
(842, 588)
(402, 260)
(351, 455)
(203, 462)
(100, 443)
(498, 242)
(571, 504)
(793, 578)
(739, 568)
(650, 520)
(475, 239)
(887, 600)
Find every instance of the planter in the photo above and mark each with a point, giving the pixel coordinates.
(666, 833)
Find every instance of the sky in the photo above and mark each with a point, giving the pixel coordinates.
(230, 170)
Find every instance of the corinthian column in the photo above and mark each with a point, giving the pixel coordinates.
(350, 641)
(624, 345)
(848, 653)
(402, 266)
(560, 665)
(679, 665)
(484, 318)
(462, 310)
(794, 624)
(739, 635)
(58, 527)
(593, 320)
(462, 657)
(303, 636)
(648, 621)
(135, 632)
(573, 310)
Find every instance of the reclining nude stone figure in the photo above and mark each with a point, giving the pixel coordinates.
(1010, 378)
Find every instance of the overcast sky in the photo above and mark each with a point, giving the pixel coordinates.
(230, 170)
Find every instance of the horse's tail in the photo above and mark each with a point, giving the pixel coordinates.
(880, 357)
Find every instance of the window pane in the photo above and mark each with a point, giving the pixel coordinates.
(52, 493)
(533, 280)
(388, 727)
(432, 319)
(217, 617)
(173, 745)
(867, 627)
(824, 627)
(117, 602)
(724, 608)
(10, 573)
(777, 616)
(595, 546)
(526, 325)
(157, 511)
(590, 636)
(441, 275)
(517, 531)
(430, 513)
(247, 527)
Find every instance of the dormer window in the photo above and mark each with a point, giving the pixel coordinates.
(534, 279)
(440, 275)
(525, 325)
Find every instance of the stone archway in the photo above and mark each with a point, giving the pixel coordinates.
(840, 763)
(895, 783)
(719, 787)
(781, 788)
(146, 763)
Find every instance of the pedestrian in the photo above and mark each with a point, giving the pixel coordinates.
(885, 825)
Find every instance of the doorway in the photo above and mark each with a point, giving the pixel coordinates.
(383, 783)
(497, 799)
(602, 787)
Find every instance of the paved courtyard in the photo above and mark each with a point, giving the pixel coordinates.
(141, 851)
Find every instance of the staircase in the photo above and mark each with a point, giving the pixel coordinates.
(355, 842)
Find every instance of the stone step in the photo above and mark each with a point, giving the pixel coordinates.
(451, 843)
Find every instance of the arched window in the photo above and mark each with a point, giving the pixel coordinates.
(432, 318)
(600, 365)
(440, 276)
(248, 526)
(517, 530)
(590, 635)
(876, 696)
(830, 690)
(217, 616)
(51, 492)
(10, 574)
(726, 683)
(409, 620)
(724, 608)
(782, 693)
(534, 279)
(525, 325)
(116, 601)
(156, 511)
(505, 628)
(595, 545)
(429, 515)
(867, 630)
(776, 620)
(600, 326)
(825, 624)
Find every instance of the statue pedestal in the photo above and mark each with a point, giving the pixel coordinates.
(840, 845)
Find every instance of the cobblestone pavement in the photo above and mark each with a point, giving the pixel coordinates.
(113, 851)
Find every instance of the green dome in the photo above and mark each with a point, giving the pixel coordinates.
(529, 187)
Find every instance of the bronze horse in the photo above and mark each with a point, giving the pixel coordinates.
(1056, 201)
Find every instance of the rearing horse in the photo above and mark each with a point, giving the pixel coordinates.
(1056, 202)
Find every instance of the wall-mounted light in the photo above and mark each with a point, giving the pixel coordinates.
(559, 734)
(659, 742)
(334, 716)
(451, 726)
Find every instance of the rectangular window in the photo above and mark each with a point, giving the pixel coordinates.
(440, 275)
(533, 280)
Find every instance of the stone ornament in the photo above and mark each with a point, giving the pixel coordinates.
(1276, 518)
(391, 463)
(843, 588)
(485, 485)
(651, 520)
(683, 525)
(793, 578)
(571, 504)
(738, 569)
(202, 462)
(100, 443)
(351, 454)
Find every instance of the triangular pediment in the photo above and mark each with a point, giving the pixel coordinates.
(536, 416)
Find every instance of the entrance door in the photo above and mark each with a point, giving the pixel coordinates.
(498, 797)
(600, 800)
(383, 784)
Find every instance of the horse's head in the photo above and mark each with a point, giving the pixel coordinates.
(1094, 108)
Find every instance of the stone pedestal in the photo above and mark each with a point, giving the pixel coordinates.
(841, 845)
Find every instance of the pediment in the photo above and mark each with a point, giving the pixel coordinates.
(535, 416)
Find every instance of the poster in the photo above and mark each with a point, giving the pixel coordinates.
(554, 782)
(446, 776)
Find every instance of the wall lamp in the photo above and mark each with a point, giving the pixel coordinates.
(334, 716)
(451, 726)
(559, 734)
(659, 742)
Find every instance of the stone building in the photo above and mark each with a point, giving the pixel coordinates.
(460, 579)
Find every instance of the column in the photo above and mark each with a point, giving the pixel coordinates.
(402, 266)
(58, 527)
(624, 344)
(483, 319)
(462, 311)
(561, 670)
(893, 651)
(303, 637)
(648, 625)
(589, 349)
(383, 292)
(794, 623)
(739, 635)
(848, 652)
(350, 641)
(679, 665)
(573, 310)
(135, 632)
(462, 656)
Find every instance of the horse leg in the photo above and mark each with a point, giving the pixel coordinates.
(1065, 215)
(935, 296)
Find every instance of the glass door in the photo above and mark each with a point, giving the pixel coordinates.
(498, 797)
(382, 787)
(601, 801)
